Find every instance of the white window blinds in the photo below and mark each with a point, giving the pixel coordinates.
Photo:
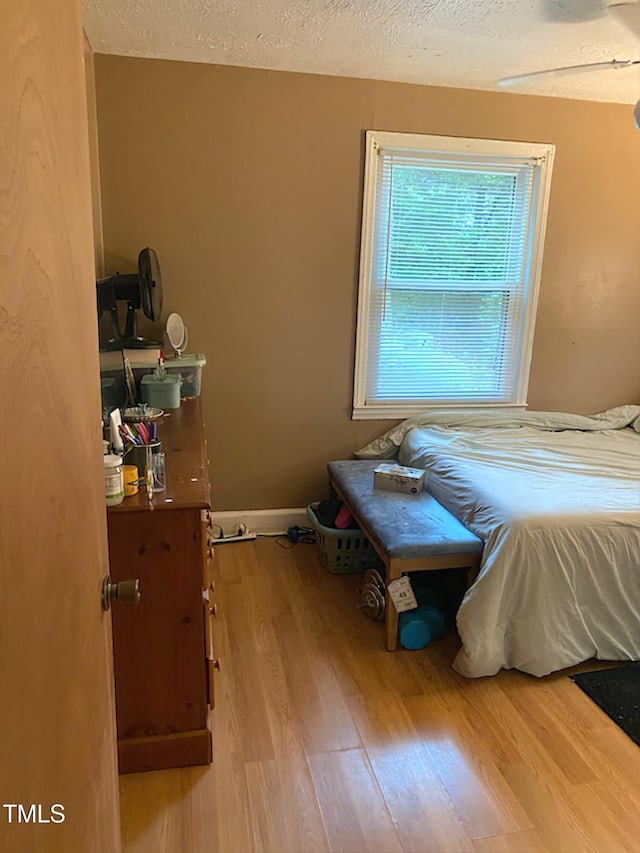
(451, 241)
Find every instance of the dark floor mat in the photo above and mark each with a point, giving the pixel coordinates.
(617, 692)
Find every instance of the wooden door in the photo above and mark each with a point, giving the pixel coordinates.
(57, 721)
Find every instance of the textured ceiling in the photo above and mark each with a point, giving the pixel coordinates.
(462, 43)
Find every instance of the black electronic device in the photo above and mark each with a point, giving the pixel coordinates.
(141, 290)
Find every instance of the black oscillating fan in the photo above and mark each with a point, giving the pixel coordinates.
(141, 290)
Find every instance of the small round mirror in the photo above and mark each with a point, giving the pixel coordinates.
(177, 334)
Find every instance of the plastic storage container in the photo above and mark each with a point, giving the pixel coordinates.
(130, 474)
(161, 393)
(113, 480)
(343, 551)
(189, 366)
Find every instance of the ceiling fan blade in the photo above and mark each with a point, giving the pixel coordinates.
(627, 14)
(615, 64)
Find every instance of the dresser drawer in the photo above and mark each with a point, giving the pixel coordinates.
(161, 665)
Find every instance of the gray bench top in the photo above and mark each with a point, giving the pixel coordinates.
(405, 526)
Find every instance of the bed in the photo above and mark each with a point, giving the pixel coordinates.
(555, 498)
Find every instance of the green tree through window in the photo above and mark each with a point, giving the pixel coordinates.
(450, 260)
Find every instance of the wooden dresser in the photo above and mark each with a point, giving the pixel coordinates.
(163, 648)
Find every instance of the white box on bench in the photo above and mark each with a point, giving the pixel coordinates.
(399, 478)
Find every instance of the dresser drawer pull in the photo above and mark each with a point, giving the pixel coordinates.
(213, 610)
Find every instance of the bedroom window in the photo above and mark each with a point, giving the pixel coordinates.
(451, 249)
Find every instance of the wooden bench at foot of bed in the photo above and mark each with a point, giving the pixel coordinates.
(410, 533)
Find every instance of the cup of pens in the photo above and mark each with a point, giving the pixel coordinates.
(142, 449)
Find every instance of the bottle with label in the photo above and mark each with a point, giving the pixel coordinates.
(113, 480)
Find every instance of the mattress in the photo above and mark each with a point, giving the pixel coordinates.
(559, 513)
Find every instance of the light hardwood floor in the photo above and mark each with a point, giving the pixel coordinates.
(325, 741)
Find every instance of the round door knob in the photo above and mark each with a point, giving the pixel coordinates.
(216, 664)
(128, 590)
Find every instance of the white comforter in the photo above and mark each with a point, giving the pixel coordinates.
(558, 508)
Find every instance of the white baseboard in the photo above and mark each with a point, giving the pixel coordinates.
(265, 521)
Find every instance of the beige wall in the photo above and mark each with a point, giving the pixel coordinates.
(248, 184)
(94, 157)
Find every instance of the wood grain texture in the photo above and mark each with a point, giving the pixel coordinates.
(181, 749)
(159, 651)
(285, 813)
(160, 646)
(182, 436)
(353, 807)
(423, 811)
(325, 741)
(57, 720)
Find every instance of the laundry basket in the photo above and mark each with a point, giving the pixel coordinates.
(342, 551)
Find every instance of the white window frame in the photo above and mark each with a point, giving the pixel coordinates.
(544, 154)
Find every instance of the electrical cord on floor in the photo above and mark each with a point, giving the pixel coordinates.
(218, 534)
(296, 534)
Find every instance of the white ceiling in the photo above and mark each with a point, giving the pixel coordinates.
(462, 43)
